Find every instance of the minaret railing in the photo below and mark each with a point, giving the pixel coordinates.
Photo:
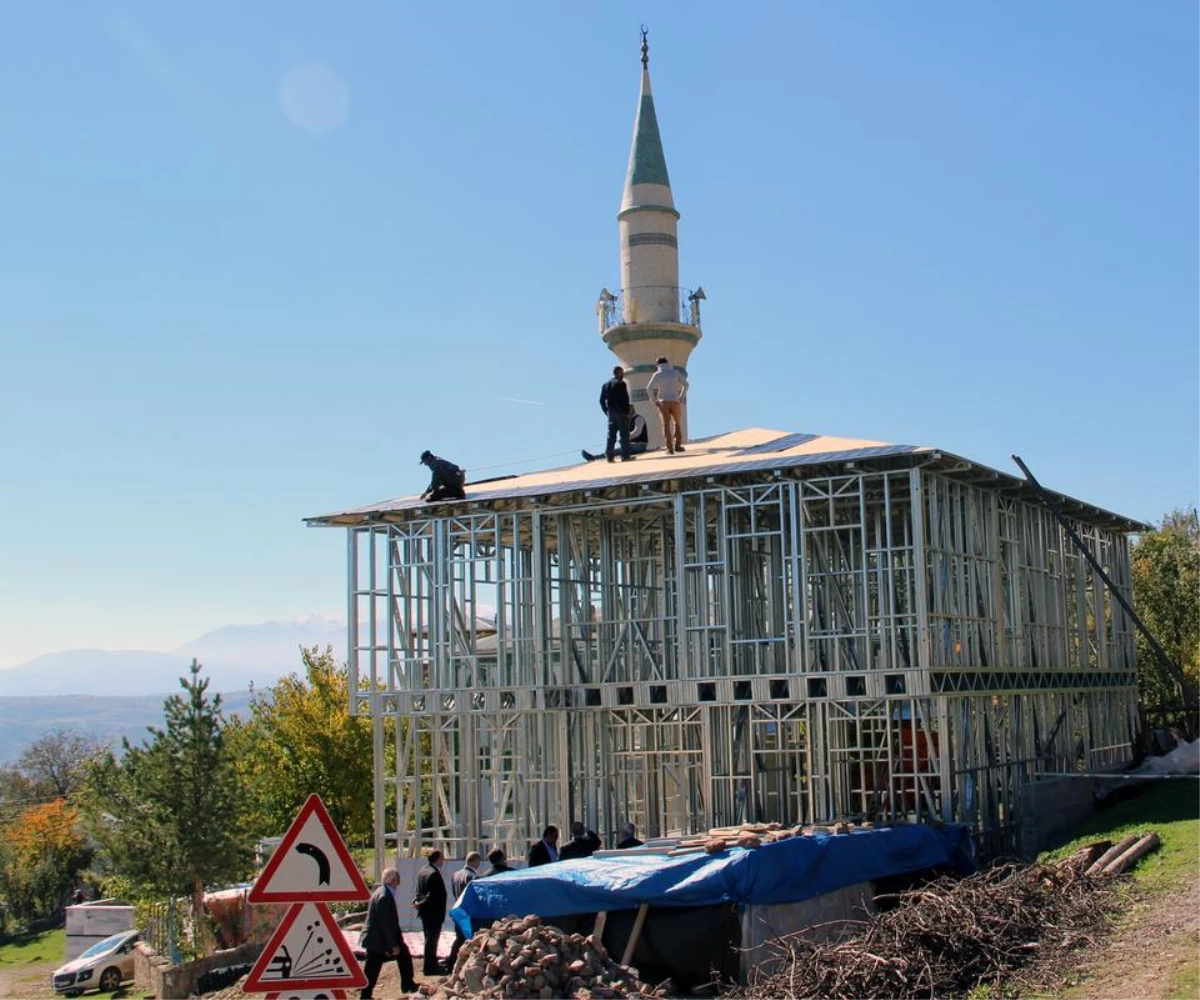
(619, 308)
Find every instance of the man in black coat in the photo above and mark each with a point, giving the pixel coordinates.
(583, 843)
(499, 862)
(430, 902)
(614, 401)
(545, 850)
(628, 837)
(382, 938)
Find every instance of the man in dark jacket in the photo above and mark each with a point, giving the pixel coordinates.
(614, 401)
(628, 837)
(583, 843)
(499, 862)
(430, 902)
(546, 849)
(639, 439)
(382, 939)
(447, 479)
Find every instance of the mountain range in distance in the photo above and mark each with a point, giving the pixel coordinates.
(233, 657)
(111, 694)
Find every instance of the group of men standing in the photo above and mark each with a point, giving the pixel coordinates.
(583, 844)
(667, 390)
(382, 937)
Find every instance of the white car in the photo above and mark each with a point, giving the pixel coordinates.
(104, 966)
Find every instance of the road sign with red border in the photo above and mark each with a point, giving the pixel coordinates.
(309, 995)
(310, 864)
(307, 952)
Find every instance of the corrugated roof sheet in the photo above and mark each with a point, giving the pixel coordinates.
(750, 449)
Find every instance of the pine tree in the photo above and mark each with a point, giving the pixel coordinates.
(170, 812)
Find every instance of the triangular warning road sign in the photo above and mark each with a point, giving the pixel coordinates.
(307, 952)
(311, 863)
(309, 995)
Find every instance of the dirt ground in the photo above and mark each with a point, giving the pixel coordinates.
(1153, 950)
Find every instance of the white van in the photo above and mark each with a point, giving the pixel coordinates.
(104, 966)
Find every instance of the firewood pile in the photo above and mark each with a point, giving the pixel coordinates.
(750, 835)
(520, 957)
(952, 935)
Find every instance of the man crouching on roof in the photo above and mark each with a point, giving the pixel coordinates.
(447, 480)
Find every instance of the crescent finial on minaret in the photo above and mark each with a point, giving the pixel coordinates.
(645, 49)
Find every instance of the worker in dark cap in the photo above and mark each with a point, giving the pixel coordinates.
(447, 480)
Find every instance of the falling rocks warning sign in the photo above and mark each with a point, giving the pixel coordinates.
(307, 952)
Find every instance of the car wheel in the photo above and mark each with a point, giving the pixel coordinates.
(73, 993)
(110, 980)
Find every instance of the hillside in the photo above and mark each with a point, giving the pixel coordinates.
(23, 720)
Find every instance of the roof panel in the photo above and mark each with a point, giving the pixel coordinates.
(747, 450)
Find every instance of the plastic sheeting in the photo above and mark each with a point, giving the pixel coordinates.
(787, 871)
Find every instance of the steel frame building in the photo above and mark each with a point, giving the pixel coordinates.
(771, 627)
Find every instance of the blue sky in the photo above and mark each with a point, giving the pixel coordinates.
(256, 257)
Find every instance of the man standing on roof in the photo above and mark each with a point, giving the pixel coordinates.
(447, 480)
(614, 401)
(639, 439)
(667, 389)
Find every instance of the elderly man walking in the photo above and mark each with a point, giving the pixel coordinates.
(382, 938)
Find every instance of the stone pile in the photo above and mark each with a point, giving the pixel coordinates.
(520, 957)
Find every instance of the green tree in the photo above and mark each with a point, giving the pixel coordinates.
(1166, 594)
(170, 813)
(300, 738)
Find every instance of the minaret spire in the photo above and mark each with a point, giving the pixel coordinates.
(652, 317)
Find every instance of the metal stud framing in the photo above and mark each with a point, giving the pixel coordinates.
(890, 643)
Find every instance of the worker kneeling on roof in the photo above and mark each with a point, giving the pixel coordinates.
(447, 480)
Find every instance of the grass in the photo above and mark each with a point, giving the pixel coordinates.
(34, 949)
(1172, 809)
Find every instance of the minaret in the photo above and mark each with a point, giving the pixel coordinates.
(652, 316)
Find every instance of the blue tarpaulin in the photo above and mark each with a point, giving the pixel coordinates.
(787, 871)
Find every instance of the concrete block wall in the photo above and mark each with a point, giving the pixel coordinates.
(155, 974)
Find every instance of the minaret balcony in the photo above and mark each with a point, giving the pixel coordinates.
(649, 304)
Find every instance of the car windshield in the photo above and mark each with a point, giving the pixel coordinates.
(100, 947)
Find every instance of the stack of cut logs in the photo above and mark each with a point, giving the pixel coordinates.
(756, 834)
(520, 957)
(1106, 858)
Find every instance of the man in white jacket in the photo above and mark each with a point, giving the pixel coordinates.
(667, 390)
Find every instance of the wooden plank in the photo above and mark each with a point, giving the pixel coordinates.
(635, 933)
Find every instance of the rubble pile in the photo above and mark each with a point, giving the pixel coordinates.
(520, 957)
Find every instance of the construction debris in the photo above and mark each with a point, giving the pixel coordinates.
(952, 935)
(520, 957)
